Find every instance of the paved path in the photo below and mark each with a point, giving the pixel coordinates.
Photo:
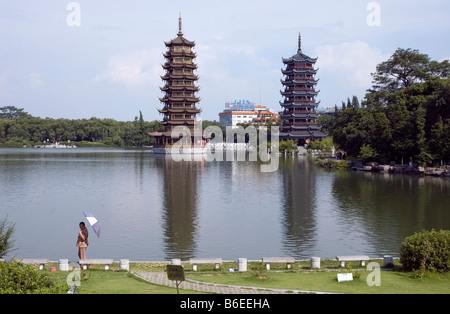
(161, 279)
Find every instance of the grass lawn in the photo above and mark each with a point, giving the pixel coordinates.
(300, 277)
(115, 282)
(391, 282)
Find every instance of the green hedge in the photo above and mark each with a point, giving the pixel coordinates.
(426, 251)
(17, 278)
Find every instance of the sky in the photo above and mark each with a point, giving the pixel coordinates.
(83, 59)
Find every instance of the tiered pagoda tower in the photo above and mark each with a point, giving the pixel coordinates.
(298, 118)
(179, 92)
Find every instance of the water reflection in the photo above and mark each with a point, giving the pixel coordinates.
(298, 206)
(153, 208)
(383, 209)
(180, 201)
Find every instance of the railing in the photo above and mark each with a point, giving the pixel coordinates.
(291, 89)
(299, 111)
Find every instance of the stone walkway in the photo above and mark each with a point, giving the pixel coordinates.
(161, 279)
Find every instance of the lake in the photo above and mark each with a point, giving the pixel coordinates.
(152, 208)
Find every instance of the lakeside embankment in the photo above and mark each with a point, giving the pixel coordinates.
(329, 163)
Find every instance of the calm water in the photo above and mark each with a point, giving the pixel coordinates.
(153, 208)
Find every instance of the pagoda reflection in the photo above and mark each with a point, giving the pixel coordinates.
(299, 221)
(180, 202)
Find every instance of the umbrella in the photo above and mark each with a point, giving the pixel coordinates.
(93, 222)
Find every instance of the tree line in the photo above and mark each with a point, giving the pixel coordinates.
(404, 117)
(20, 128)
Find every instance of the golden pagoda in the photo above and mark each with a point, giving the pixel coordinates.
(179, 90)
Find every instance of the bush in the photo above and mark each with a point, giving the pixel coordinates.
(258, 270)
(17, 278)
(332, 164)
(6, 240)
(288, 146)
(426, 251)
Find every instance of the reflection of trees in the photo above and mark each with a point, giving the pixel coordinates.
(388, 208)
(179, 206)
(299, 204)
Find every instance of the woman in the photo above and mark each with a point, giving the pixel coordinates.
(82, 241)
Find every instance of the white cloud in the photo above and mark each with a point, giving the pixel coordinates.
(351, 63)
(35, 80)
(133, 69)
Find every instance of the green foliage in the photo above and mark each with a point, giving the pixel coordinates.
(405, 115)
(288, 146)
(19, 129)
(11, 112)
(6, 233)
(367, 153)
(325, 145)
(326, 122)
(332, 164)
(258, 270)
(17, 278)
(426, 251)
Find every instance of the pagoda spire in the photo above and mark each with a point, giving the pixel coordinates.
(299, 43)
(180, 33)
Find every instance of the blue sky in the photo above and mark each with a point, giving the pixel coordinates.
(110, 65)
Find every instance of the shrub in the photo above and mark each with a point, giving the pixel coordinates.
(6, 240)
(17, 278)
(258, 270)
(426, 251)
(288, 146)
(332, 164)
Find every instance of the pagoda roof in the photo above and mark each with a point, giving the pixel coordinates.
(182, 53)
(179, 40)
(178, 122)
(299, 93)
(304, 115)
(299, 57)
(299, 71)
(191, 88)
(180, 98)
(304, 104)
(180, 110)
(311, 81)
(169, 65)
(167, 77)
(304, 134)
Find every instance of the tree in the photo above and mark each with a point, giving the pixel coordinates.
(367, 153)
(288, 146)
(326, 122)
(440, 140)
(405, 115)
(6, 233)
(11, 112)
(404, 68)
(325, 144)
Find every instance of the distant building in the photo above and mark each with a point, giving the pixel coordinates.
(244, 111)
(299, 105)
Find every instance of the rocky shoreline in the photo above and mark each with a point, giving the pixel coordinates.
(443, 171)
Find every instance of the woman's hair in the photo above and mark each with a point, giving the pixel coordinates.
(82, 223)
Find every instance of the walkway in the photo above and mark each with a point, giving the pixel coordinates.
(206, 287)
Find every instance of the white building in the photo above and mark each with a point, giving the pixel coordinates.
(244, 111)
